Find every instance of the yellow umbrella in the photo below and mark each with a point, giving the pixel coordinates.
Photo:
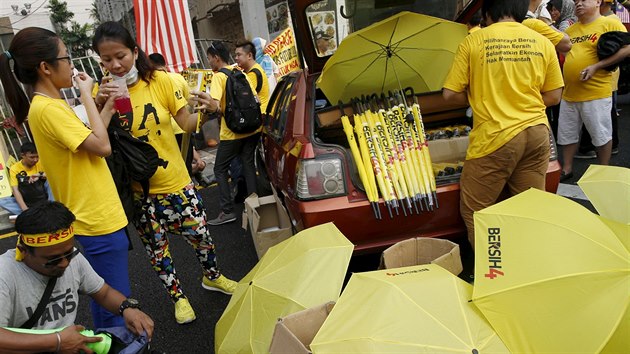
(550, 276)
(608, 188)
(407, 49)
(419, 309)
(303, 271)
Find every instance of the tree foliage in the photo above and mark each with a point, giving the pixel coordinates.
(77, 37)
(94, 14)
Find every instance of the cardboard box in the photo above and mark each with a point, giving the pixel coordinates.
(294, 333)
(268, 221)
(445, 150)
(423, 250)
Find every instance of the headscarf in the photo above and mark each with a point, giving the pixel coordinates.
(263, 59)
(43, 240)
(567, 15)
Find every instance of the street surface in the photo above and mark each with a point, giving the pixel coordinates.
(236, 256)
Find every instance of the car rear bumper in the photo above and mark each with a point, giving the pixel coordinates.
(356, 220)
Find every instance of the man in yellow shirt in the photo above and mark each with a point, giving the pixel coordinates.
(231, 145)
(587, 97)
(508, 74)
(27, 178)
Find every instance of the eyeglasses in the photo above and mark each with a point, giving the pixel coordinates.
(55, 261)
(68, 58)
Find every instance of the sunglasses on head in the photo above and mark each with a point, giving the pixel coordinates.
(68, 256)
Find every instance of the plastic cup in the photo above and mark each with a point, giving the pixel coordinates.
(122, 102)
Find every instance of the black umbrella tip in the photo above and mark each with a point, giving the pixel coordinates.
(475, 351)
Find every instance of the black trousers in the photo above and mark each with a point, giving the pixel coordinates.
(227, 151)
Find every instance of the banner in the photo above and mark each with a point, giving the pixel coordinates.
(165, 27)
(284, 52)
(5, 187)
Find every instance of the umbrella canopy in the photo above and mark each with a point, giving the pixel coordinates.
(303, 271)
(550, 276)
(608, 188)
(407, 49)
(419, 309)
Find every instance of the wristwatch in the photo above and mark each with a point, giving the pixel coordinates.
(128, 303)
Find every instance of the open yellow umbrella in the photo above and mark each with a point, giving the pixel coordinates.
(407, 49)
(608, 189)
(419, 309)
(303, 271)
(550, 276)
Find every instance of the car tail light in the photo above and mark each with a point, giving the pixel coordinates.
(320, 178)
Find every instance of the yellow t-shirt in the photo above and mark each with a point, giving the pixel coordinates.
(547, 31)
(78, 179)
(504, 68)
(181, 83)
(263, 95)
(153, 105)
(217, 90)
(19, 167)
(584, 53)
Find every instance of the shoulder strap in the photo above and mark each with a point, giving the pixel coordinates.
(42, 304)
(226, 72)
(259, 79)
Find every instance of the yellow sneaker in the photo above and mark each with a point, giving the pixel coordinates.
(221, 284)
(184, 313)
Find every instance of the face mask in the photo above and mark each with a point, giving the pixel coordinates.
(132, 76)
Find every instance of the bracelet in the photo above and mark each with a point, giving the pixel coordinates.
(58, 342)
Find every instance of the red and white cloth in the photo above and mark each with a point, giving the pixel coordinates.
(165, 27)
(623, 14)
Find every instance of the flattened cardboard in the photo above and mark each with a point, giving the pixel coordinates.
(423, 250)
(268, 221)
(294, 333)
(446, 150)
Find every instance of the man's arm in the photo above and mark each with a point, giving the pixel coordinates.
(552, 98)
(589, 71)
(136, 320)
(18, 198)
(455, 97)
(68, 341)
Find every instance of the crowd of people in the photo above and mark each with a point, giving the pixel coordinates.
(512, 94)
(537, 57)
(88, 207)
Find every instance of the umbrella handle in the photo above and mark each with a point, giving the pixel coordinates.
(343, 113)
(348, 16)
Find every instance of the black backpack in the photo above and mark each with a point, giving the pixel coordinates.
(131, 160)
(242, 110)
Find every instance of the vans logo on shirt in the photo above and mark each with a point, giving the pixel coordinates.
(58, 307)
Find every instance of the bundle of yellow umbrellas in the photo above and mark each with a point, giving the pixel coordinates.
(552, 277)
(391, 153)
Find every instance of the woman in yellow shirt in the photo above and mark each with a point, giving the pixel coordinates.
(173, 204)
(71, 152)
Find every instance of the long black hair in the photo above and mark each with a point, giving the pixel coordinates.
(28, 49)
(498, 9)
(114, 31)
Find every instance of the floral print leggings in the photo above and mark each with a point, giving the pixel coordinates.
(179, 213)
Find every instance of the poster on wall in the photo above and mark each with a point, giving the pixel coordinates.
(277, 12)
(324, 32)
(5, 187)
(283, 51)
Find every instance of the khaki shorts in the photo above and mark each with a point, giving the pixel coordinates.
(594, 114)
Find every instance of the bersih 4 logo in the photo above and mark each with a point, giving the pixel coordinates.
(494, 253)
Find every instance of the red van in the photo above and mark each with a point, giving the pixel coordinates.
(307, 157)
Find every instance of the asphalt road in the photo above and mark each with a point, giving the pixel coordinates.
(236, 256)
